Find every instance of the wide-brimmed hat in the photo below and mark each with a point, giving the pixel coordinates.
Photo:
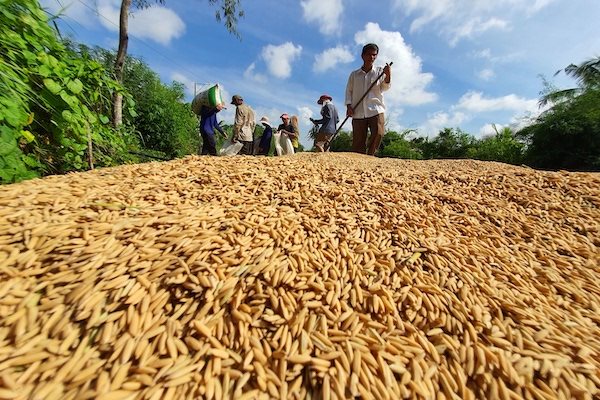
(235, 98)
(284, 115)
(265, 120)
(323, 98)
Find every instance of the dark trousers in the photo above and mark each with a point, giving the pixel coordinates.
(376, 125)
(209, 146)
(247, 148)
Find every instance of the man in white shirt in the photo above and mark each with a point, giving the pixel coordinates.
(369, 113)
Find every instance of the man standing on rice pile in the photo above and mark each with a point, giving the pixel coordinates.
(208, 126)
(369, 113)
(243, 126)
(329, 120)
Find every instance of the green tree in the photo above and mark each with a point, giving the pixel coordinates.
(342, 142)
(567, 136)
(162, 120)
(396, 145)
(229, 10)
(503, 146)
(450, 143)
(587, 76)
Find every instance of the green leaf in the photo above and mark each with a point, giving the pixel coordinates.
(104, 119)
(7, 148)
(28, 136)
(31, 161)
(70, 100)
(44, 70)
(75, 86)
(68, 116)
(53, 86)
(7, 175)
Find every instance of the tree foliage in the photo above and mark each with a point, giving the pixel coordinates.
(396, 145)
(451, 143)
(52, 102)
(229, 12)
(164, 121)
(587, 76)
(342, 142)
(504, 146)
(567, 136)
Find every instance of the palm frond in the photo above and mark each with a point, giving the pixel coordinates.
(586, 74)
(559, 96)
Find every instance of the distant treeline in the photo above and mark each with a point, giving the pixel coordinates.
(55, 110)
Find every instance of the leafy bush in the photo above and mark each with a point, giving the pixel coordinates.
(503, 147)
(163, 121)
(50, 109)
(450, 143)
(342, 142)
(395, 145)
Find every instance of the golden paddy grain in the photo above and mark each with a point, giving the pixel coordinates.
(313, 276)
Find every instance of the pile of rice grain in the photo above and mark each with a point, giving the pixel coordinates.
(314, 276)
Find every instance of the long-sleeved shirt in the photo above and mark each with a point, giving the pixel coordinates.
(358, 83)
(243, 126)
(290, 128)
(265, 140)
(208, 121)
(329, 118)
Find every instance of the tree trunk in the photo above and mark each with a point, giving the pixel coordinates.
(120, 61)
(90, 147)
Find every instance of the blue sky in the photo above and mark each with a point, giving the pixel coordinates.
(457, 63)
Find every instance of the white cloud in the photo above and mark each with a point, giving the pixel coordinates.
(440, 120)
(475, 26)
(330, 58)
(488, 129)
(485, 54)
(255, 76)
(326, 14)
(486, 74)
(476, 102)
(279, 58)
(538, 5)
(472, 17)
(409, 82)
(156, 23)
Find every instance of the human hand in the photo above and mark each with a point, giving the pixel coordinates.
(349, 111)
(387, 70)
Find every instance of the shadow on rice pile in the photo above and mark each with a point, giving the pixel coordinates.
(312, 276)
